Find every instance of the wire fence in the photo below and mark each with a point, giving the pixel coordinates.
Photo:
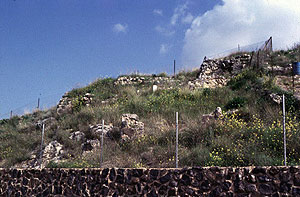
(178, 148)
(227, 141)
(260, 52)
(41, 103)
(245, 48)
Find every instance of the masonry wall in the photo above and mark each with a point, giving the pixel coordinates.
(213, 181)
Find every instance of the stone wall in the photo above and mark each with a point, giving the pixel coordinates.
(217, 72)
(197, 181)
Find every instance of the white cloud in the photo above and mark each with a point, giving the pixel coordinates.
(180, 12)
(241, 22)
(164, 30)
(157, 12)
(120, 28)
(187, 19)
(164, 48)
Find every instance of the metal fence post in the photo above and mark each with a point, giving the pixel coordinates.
(176, 139)
(38, 104)
(284, 133)
(174, 69)
(41, 157)
(101, 151)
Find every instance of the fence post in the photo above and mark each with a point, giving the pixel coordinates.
(11, 114)
(101, 151)
(41, 157)
(271, 43)
(38, 104)
(284, 133)
(257, 63)
(250, 63)
(174, 68)
(176, 140)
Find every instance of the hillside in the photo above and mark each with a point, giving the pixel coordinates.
(228, 116)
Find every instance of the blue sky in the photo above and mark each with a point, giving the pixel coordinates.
(49, 47)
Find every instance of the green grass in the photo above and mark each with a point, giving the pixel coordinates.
(253, 136)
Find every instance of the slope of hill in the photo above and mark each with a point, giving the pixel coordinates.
(139, 116)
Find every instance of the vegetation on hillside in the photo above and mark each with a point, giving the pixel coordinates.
(251, 134)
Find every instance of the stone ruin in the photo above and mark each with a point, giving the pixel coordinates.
(65, 104)
(217, 72)
(53, 152)
(130, 127)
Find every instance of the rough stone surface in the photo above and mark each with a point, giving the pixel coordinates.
(77, 135)
(213, 71)
(196, 181)
(97, 129)
(65, 103)
(131, 125)
(52, 152)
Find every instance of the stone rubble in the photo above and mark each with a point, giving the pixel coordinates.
(77, 136)
(53, 152)
(213, 71)
(131, 121)
(65, 103)
(158, 81)
(97, 129)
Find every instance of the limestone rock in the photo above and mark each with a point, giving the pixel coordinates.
(97, 129)
(65, 104)
(53, 152)
(77, 135)
(131, 121)
(276, 98)
(212, 72)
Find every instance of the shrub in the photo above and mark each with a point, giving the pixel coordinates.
(235, 103)
(162, 74)
(246, 78)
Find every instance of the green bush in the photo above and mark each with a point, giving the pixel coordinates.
(245, 79)
(235, 103)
